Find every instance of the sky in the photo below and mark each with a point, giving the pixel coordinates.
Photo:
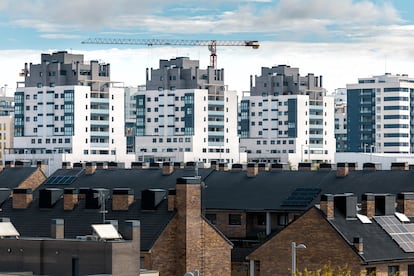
(342, 40)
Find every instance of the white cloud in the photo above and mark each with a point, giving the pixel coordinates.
(59, 36)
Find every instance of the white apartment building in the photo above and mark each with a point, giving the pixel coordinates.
(340, 119)
(287, 129)
(380, 114)
(6, 136)
(187, 125)
(68, 111)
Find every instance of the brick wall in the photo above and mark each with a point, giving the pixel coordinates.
(231, 231)
(323, 243)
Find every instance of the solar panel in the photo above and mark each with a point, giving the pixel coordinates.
(301, 197)
(7, 230)
(106, 231)
(363, 219)
(61, 179)
(401, 233)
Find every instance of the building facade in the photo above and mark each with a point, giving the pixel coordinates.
(379, 114)
(6, 136)
(186, 114)
(68, 111)
(289, 121)
(340, 119)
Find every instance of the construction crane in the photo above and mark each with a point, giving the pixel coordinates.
(211, 44)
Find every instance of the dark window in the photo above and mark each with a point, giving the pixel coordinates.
(234, 219)
(393, 270)
(410, 270)
(211, 218)
(371, 271)
(261, 219)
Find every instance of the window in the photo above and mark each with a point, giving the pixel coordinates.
(370, 271)
(282, 219)
(393, 270)
(261, 219)
(234, 219)
(212, 218)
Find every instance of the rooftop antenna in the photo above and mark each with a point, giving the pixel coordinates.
(103, 207)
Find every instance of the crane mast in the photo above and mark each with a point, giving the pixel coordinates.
(211, 44)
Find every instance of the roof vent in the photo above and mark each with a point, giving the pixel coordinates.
(151, 198)
(49, 196)
(252, 169)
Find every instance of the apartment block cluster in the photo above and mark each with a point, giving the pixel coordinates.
(69, 110)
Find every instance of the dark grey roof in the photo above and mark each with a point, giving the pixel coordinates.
(35, 221)
(378, 245)
(13, 177)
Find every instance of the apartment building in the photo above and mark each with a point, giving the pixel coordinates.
(68, 110)
(290, 121)
(379, 116)
(6, 136)
(340, 119)
(186, 114)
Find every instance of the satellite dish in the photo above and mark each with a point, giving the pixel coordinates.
(188, 274)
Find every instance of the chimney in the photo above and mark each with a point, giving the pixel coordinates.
(167, 168)
(346, 204)
(90, 168)
(8, 164)
(113, 165)
(18, 164)
(368, 205)
(57, 229)
(252, 169)
(262, 167)
(136, 165)
(66, 165)
(189, 223)
(352, 166)
(154, 165)
(101, 165)
(325, 167)
(171, 199)
(22, 197)
(132, 230)
(214, 165)
(49, 196)
(178, 165)
(122, 198)
(304, 166)
(327, 205)
(151, 198)
(279, 167)
(371, 166)
(405, 203)
(190, 165)
(77, 165)
(95, 198)
(236, 167)
(70, 198)
(399, 166)
(359, 245)
(342, 170)
(223, 166)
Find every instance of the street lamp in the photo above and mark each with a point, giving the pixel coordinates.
(294, 247)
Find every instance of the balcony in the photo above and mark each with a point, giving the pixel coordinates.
(99, 123)
(100, 133)
(100, 111)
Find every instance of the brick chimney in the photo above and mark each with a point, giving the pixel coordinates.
(122, 198)
(305, 166)
(405, 203)
(189, 224)
(399, 166)
(136, 165)
(279, 167)
(167, 168)
(327, 205)
(359, 244)
(262, 167)
(214, 165)
(352, 166)
(325, 167)
(90, 168)
(368, 205)
(223, 166)
(66, 165)
(342, 170)
(252, 169)
(70, 198)
(22, 197)
(57, 229)
(171, 199)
